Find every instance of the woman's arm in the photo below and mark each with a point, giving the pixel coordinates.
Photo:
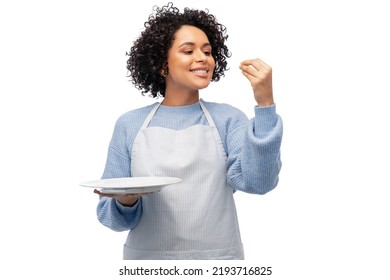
(254, 151)
(123, 212)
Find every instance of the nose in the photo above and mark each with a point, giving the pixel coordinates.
(200, 56)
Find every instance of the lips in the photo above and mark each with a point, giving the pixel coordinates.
(201, 71)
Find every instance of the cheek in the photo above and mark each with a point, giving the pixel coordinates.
(179, 63)
(212, 63)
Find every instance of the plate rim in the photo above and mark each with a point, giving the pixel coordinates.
(102, 183)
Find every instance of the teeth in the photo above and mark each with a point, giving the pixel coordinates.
(200, 71)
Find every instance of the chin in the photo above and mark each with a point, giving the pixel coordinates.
(204, 85)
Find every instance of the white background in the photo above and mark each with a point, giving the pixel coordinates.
(63, 85)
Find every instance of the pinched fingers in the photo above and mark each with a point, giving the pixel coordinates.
(255, 68)
(259, 75)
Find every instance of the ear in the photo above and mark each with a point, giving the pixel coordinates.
(164, 70)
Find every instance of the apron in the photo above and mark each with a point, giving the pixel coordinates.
(193, 219)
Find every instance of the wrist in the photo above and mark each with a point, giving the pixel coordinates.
(265, 102)
(128, 200)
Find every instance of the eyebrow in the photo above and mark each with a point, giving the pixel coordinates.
(193, 44)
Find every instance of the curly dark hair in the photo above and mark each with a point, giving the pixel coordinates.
(148, 56)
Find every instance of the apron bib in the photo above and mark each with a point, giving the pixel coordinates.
(193, 219)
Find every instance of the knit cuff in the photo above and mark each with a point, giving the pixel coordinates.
(265, 119)
(126, 209)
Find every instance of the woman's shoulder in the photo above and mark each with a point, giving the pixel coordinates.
(134, 117)
(141, 112)
(224, 110)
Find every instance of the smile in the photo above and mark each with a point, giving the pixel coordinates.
(200, 71)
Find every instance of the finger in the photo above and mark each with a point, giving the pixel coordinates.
(248, 70)
(250, 77)
(145, 193)
(110, 195)
(254, 61)
(113, 195)
(257, 63)
(98, 192)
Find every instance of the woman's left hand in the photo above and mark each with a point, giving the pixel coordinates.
(260, 76)
(124, 199)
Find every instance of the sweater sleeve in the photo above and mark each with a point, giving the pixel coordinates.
(110, 212)
(254, 164)
(116, 216)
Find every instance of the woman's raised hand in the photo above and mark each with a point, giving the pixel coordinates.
(260, 76)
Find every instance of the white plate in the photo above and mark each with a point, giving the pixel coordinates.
(131, 184)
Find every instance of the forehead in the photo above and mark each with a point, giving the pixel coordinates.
(188, 33)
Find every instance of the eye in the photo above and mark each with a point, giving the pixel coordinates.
(207, 51)
(188, 52)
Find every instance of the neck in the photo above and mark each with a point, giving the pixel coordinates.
(180, 98)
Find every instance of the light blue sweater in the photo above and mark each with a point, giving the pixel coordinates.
(252, 148)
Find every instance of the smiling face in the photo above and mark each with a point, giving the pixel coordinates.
(190, 63)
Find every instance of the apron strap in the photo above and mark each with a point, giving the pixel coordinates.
(207, 114)
(150, 116)
(205, 111)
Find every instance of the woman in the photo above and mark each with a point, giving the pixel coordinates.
(212, 147)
